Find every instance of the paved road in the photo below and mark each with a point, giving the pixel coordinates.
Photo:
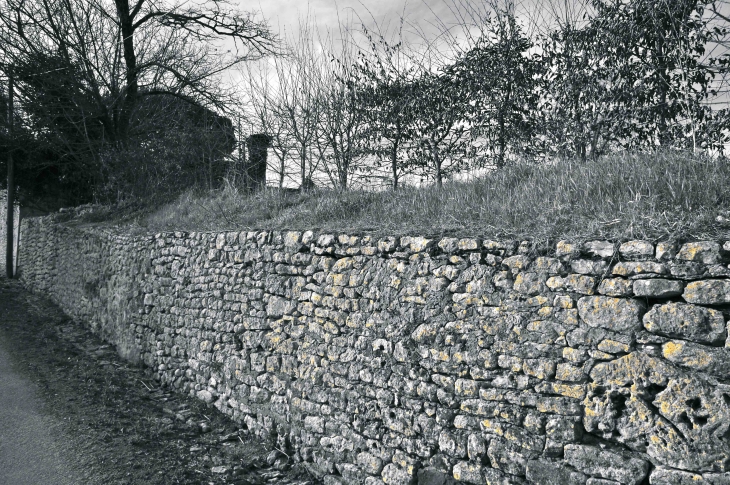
(33, 448)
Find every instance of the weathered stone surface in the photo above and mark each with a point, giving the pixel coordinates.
(468, 472)
(613, 465)
(278, 307)
(394, 475)
(637, 250)
(553, 473)
(665, 251)
(708, 292)
(670, 476)
(706, 252)
(658, 288)
(566, 249)
(712, 360)
(650, 404)
(616, 287)
(611, 313)
(602, 249)
(589, 267)
(631, 268)
(406, 362)
(690, 322)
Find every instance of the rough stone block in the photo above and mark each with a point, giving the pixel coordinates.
(602, 249)
(708, 292)
(611, 313)
(545, 472)
(632, 268)
(468, 472)
(613, 465)
(665, 251)
(713, 360)
(706, 252)
(658, 288)
(637, 250)
(686, 321)
(589, 267)
(616, 287)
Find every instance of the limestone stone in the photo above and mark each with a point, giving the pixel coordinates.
(602, 249)
(609, 464)
(658, 288)
(548, 265)
(529, 283)
(670, 476)
(448, 244)
(637, 250)
(392, 474)
(516, 263)
(686, 321)
(468, 472)
(616, 287)
(631, 268)
(567, 250)
(589, 267)
(708, 292)
(712, 360)
(665, 251)
(278, 306)
(706, 252)
(611, 313)
(553, 473)
(582, 284)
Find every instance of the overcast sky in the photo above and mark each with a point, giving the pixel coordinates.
(284, 14)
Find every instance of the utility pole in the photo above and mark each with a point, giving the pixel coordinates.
(9, 259)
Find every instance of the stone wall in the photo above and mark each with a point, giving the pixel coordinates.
(415, 360)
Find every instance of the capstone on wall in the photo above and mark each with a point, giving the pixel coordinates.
(412, 360)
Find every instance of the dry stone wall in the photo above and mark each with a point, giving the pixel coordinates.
(416, 360)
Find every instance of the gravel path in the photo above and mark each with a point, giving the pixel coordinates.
(73, 412)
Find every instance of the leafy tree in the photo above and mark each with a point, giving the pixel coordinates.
(385, 79)
(441, 126)
(497, 76)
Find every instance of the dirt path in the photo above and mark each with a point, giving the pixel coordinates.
(33, 446)
(72, 410)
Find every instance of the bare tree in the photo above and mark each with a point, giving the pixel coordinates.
(112, 55)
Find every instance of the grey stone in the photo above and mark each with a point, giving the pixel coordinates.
(713, 360)
(606, 464)
(616, 287)
(708, 292)
(637, 250)
(632, 268)
(432, 476)
(468, 472)
(603, 249)
(658, 288)
(706, 252)
(545, 472)
(394, 475)
(611, 313)
(686, 321)
(589, 267)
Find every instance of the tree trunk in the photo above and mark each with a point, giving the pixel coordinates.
(10, 223)
(130, 59)
(394, 165)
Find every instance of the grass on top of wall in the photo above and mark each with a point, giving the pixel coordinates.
(659, 196)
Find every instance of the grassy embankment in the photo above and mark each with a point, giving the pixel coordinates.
(659, 196)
